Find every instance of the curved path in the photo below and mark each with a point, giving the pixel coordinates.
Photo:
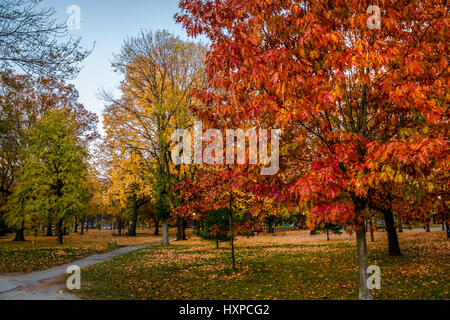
(48, 284)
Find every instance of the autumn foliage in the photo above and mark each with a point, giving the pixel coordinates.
(364, 112)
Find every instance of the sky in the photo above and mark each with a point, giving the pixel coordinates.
(106, 23)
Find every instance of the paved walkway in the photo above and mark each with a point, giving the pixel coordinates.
(48, 284)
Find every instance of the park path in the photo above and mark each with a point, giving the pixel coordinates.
(48, 284)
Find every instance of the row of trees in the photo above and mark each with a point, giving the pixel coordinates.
(363, 113)
(45, 134)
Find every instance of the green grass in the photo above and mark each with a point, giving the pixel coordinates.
(196, 270)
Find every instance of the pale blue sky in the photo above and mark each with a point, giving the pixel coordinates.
(107, 23)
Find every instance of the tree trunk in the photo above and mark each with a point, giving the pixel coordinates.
(59, 232)
(394, 247)
(49, 230)
(132, 230)
(270, 223)
(119, 227)
(400, 227)
(181, 228)
(233, 263)
(448, 230)
(372, 238)
(20, 236)
(364, 292)
(82, 225)
(156, 233)
(165, 231)
(248, 218)
(35, 240)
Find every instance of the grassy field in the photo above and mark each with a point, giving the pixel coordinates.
(22, 257)
(287, 265)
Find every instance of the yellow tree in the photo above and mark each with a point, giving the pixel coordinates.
(160, 73)
(131, 185)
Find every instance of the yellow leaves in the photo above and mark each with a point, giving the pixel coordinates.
(314, 54)
(399, 178)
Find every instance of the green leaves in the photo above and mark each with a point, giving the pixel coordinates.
(52, 181)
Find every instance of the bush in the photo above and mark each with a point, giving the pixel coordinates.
(216, 226)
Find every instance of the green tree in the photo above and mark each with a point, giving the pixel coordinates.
(53, 179)
(23, 101)
(216, 226)
(330, 227)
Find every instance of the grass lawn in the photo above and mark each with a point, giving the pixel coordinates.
(288, 265)
(21, 256)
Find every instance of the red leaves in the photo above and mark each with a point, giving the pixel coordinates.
(349, 100)
(335, 213)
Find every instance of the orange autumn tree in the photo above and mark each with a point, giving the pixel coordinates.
(347, 94)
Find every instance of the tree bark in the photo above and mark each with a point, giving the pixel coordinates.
(132, 230)
(448, 230)
(49, 230)
(270, 223)
(156, 233)
(364, 292)
(165, 224)
(233, 262)
(59, 232)
(20, 236)
(372, 238)
(181, 228)
(400, 226)
(119, 227)
(394, 246)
